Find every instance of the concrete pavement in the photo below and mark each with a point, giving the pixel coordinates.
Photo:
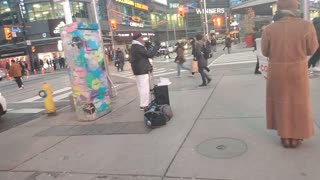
(217, 132)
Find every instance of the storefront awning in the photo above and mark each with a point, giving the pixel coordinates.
(252, 3)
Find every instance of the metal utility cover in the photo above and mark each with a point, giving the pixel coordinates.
(222, 148)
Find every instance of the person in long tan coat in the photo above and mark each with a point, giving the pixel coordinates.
(287, 42)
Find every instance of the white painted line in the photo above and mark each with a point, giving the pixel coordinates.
(157, 72)
(38, 97)
(27, 111)
(173, 72)
(62, 96)
(61, 90)
(232, 63)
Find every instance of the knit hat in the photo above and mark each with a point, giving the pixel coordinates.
(287, 4)
(136, 35)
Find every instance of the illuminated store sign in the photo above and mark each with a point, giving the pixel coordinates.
(128, 34)
(211, 11)
(135, 24)
(132, 3)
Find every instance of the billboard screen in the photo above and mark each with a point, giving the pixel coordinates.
(164, 2)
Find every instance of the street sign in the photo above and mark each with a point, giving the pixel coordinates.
(28, 42)
(14, 34)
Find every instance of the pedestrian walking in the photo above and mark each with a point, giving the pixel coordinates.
(316, 56)
(139, 59)
(213, 44)
(15, 72)
(180, 59)
(119, 60)
(202, 62)
(7, 66)
(257, 34)
(287, 43)
(194, 63)
(227, 43)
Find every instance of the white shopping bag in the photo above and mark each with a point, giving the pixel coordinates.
(263, 61)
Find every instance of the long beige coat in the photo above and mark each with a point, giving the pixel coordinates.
(287, 42)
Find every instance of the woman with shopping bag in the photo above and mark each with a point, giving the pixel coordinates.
(194, 63)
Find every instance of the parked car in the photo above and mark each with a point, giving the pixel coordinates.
(2, 74)
(3, 105)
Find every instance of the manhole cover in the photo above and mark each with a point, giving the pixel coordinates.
(222, 148)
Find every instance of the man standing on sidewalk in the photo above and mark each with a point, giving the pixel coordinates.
(15, 72)
(139, 59)
(257, 34)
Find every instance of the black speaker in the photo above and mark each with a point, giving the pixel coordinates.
(161, 94)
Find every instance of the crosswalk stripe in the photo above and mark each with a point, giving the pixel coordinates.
(62, 96)
(26, 111)
(236, 58)
(35, 98)
(156, 71)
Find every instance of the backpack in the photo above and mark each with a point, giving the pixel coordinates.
(206, 51)
(157, 115)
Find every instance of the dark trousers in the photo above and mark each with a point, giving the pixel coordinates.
(314, 59)
(204, 76)
(19, 81)
(257, 66)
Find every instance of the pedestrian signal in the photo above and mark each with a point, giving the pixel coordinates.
(113, 24)
(7, 33)
(181, 11)
(33, 49)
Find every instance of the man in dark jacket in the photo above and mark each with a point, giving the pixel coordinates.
(316, 56)
(139, 59)
(257, 34)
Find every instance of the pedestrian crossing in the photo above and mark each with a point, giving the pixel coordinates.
(157, 72)
(235, 58)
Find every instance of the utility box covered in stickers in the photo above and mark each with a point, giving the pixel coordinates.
(85, 59)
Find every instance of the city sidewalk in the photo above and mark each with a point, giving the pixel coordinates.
(217, 132)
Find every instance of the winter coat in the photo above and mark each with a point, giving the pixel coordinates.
(199, 47)
(316, 23)
(287, 42)
(139, 58)
(180, 55)
(15, 70)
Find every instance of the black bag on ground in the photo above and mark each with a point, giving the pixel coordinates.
(157, 115)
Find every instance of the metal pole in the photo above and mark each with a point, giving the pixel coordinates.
(174, 30)
(306, 9)
(67, 12)
(101, 40)
(205, 16)
(108, 14)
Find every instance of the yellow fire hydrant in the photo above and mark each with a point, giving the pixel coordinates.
(46, 94)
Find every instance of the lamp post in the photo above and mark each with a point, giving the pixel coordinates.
(205, 16)
(305, 9)
(67, 12)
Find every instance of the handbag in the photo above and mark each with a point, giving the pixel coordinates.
(194, 66)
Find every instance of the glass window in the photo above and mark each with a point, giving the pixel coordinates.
(39, 11)
(7, 14)
(79, 10)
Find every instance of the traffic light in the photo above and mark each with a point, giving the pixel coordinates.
(218, 21)
(181, 11)
(113, 24)
(7, 33)
(33, 49)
